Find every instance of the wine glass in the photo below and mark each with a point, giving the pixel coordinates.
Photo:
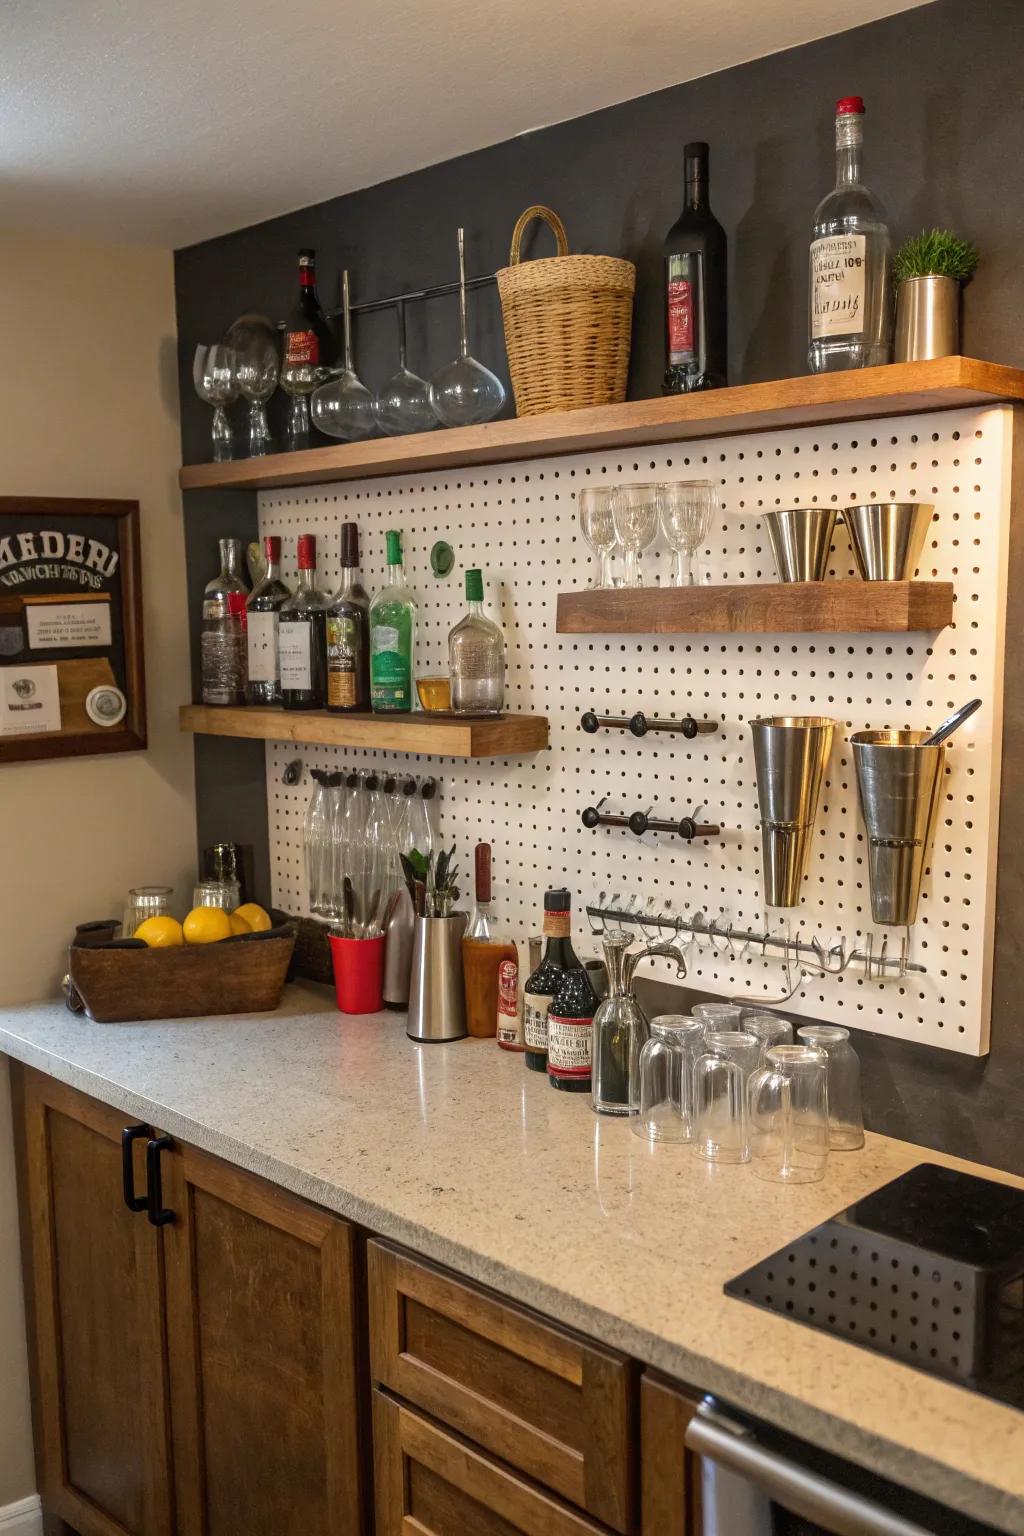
(597, 521)
(465, 392)
(213, 374)
(687, 508)
(635, 515)
(403, 405)
(253, 339)
(344, 407)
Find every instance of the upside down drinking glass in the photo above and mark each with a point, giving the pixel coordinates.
(720, 1080)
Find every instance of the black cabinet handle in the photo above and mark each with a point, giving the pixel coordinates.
(159, 1215)
(129, 1136)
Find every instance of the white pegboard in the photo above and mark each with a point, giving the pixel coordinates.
(518, 522)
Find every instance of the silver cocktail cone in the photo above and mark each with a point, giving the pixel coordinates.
(887, 538)
(801, 540)
(899, 780)
(790, 756)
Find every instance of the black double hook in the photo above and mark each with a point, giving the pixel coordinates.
(640, 822)
(639, 724)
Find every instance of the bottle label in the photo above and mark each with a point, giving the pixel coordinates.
(342, 661)
(390, 671)
(301, 348)
(294, 647)
(535, 1022)
(510, 1032)
(680, 299)
(262, 647)
(569, 1046)
(838, 271)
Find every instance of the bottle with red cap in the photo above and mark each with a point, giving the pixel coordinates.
(262, 616)
(302, 645)
(850, 298)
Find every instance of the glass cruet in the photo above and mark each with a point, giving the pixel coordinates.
(620, 1030)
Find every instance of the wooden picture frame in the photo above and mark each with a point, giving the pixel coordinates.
(50, 549)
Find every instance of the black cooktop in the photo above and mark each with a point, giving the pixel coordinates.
(928, 1270)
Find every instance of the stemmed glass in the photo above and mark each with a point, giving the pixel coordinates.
(253, 339)
(635, 515)
(465, 392)
(687, 508)
(597, 521)
(213, 374)
(344, 407)
(403, 405)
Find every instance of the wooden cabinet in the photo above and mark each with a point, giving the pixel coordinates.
(238, 1312)
(670, 1475)
(554, 1406)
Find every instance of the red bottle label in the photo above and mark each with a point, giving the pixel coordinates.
(300, 348)
(680, 315)
(569, 1044)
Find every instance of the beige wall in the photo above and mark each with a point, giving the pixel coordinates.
(88, 407)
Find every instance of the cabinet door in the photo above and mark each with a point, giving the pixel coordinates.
(261, 1324)
(95, 1301)
(669, 1473)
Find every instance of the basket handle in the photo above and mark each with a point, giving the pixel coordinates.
(551, 219)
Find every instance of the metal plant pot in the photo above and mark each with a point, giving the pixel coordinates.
(927, 319)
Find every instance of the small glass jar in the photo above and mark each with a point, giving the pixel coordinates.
(144, 902)
(845, 1110)
(216, 893)
(665, 1108)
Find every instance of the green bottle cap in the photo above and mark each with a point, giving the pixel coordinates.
(394, 543)
(474, 586)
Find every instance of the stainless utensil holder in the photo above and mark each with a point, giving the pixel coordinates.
(887, 538)
(899, 781)
(790, 756)
(927, 319)
(437, 1005)
(801, 541)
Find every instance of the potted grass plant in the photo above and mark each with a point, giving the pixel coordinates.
(930, 270)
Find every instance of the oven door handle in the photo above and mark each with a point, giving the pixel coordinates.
(842, 1512)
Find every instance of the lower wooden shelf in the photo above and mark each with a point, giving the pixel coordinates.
(439, 735)
(806, 607)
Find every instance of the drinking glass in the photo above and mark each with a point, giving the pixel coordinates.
(344, 407)
(635, 515)
(719, 1016)
(216, 893)
(665, 1108)
(316, 841)
(687, 508)
(720, 1079)
(213, 374)
(465, 392)
(597, 520)
(403, 405)
(145, 901)
(788, 1105)
(845, 1110)
(253, 339)
(769, 1028)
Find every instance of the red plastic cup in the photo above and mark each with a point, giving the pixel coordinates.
(358, 973)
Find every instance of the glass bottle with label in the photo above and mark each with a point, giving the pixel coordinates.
(476, 657)
(222, 637)
(571, 1027)
(348, 633)
(485, 950)
(392, 636)
(308, 346)
(301, 640)
(262, 611)
(850, 282)
(540, 989)
(696, 337)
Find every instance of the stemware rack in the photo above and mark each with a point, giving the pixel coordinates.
(640, 822)
(639, 724)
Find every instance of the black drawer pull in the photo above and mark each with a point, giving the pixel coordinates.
(129, 1136)
(159, 1215)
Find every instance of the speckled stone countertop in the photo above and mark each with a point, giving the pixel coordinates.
(458, 1152)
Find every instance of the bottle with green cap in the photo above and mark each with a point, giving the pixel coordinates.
(392, 636)
(476, 656)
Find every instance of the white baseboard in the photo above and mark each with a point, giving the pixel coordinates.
(25, 1518)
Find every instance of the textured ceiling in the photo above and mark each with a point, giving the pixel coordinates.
(169, 123)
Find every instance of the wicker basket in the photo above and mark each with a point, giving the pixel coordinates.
(568, 321)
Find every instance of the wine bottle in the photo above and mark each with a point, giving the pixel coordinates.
(348, 633)
(571, 1025)
(539, 991)
(262, 617)
(302, 643)
(392, 636)
(308, 346)
(696, 340)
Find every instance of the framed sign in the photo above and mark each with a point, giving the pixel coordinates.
(72, 677)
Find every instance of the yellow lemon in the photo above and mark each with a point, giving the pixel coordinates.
(206, 925)
(160, 932)
(239, 924)
(258, 920)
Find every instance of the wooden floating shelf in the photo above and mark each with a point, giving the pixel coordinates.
(900, 389)
(439, 735)
(807, 607)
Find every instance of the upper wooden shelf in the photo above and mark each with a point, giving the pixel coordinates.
(783, 608)
(439, 735)
(897, 390)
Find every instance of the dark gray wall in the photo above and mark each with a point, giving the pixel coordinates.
(945, 130)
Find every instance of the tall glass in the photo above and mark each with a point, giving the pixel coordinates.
(788, 1105)
(720, 1079)
(845, 1110)
(665, 1108)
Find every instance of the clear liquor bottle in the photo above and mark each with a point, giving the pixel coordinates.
(850, 301)
(476, 657)
(302, 644)
(348, 633)
(222, 638)
(262, 615)
(392, 636)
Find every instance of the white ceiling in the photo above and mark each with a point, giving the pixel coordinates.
(168, 121)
